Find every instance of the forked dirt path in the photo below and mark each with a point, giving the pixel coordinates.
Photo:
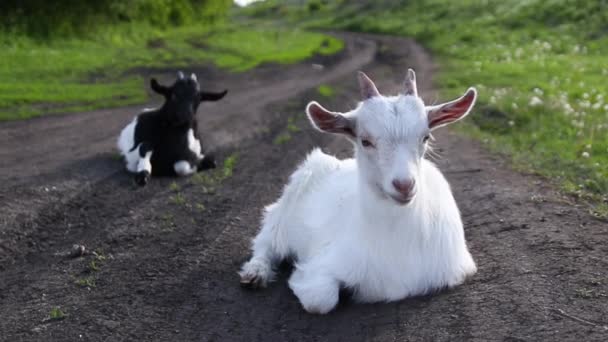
(166, 256)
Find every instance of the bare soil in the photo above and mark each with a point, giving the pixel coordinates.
(160, 261)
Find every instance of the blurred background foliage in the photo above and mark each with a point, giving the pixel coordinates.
(61, 18)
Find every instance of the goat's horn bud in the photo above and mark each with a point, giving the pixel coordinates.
(410, 83)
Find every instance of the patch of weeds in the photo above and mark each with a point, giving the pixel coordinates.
(587, 293)
(168, 223)
(99, 255)
(93, 266)
(210, 179)
(178, 199)
(600, 211)
(56, 314)
(229, 164)
(325, 90)
(282, 138)
(291, 125)
(98, 258)
(174, 186)
(86, 282)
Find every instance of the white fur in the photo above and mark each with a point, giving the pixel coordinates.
(144, 163)
(194, 144)
(183, 168)
(125, 143)
(339, 221)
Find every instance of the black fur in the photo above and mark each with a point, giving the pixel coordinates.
(165, 130)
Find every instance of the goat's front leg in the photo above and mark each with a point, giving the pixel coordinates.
(318, 291)
(144, 165)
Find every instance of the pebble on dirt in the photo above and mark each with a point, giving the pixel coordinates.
(77, 251)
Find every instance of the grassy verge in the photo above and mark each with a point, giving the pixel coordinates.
(540, 68)
(75, 74)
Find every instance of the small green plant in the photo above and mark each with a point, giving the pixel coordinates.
(93, 266)
(86, 282)
(325, 90)
(586, 293)
(178, 199)
(200, 207)
(291, 125)
(99, 255)
(282, 138)
(95, 263)
(229, 164)
(56, 314)
(174, 186)
(210, 179)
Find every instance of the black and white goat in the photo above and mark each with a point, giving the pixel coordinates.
(165, 141)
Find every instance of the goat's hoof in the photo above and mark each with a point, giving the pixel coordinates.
(142, 178)
(207, 163)
(251, 281)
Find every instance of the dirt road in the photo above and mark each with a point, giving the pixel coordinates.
(163, 258)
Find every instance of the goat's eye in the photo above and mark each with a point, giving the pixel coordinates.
(425, 139)
(366, 143)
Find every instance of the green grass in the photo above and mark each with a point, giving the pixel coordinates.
(210, 179)
(292, 126)
(325, 90)
(540, 68)
(282, 138)
(86, 282)
(178, 199)
(77, 74)
(229, 165)
(174, 187)
(56, 314)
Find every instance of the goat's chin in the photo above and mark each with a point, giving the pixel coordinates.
(401, 200)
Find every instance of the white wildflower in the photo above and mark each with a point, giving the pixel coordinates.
(538, 91)
(585, 154)
(511, 123)
(535, 101)
(519, 52)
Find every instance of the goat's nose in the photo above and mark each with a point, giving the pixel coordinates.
(404, 186)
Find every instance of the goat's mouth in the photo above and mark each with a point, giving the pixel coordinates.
(403, 200)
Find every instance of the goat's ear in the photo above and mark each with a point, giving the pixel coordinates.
(367, 87)
(206, 96)
(160, 89)
(330, 122)
(409, 86)
(452, 111)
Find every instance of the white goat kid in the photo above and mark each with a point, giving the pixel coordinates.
(384, 224)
